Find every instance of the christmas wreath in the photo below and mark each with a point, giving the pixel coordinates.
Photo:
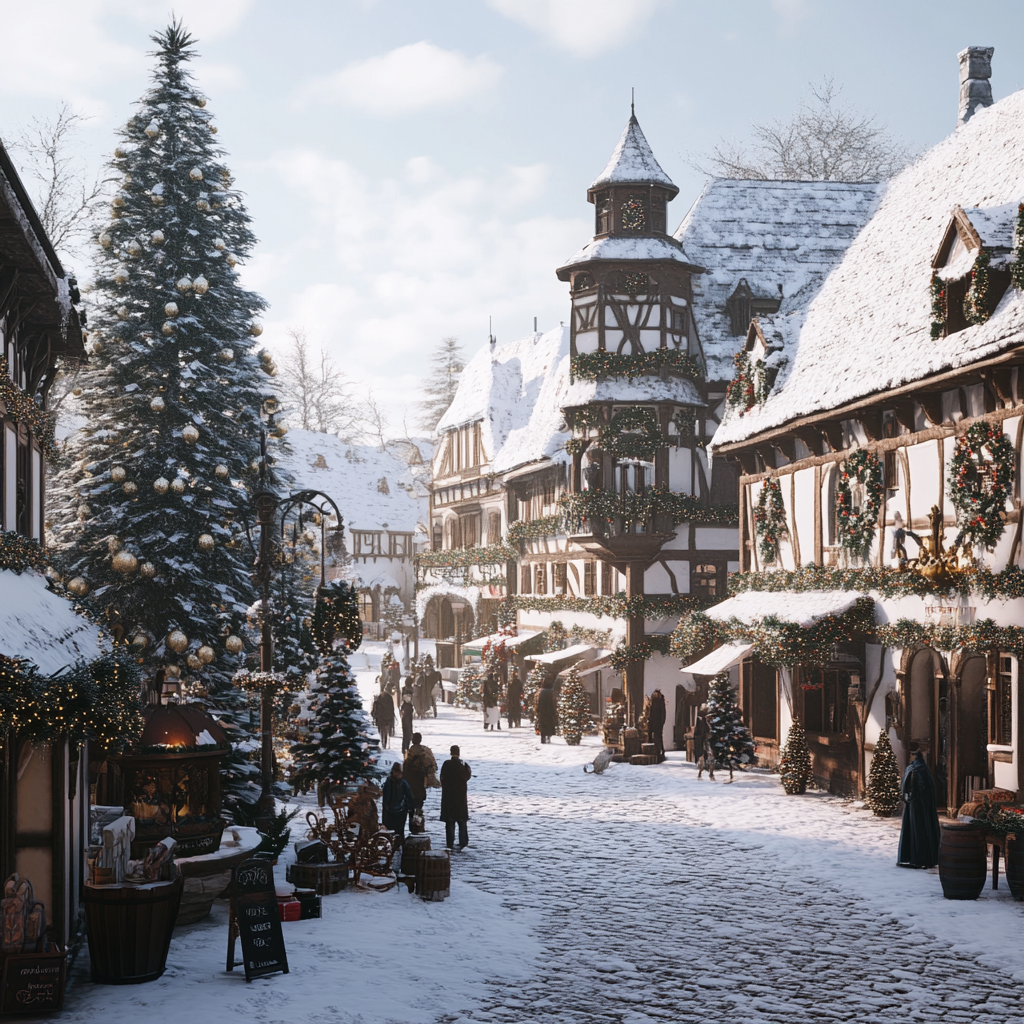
(769, 520)
(751, 383)
(981, 475)
(335, 615)
(856, 521)
(634, 214)
(644, 444)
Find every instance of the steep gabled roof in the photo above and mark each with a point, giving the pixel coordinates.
(775, 235)
(633, 162)
(868, 328)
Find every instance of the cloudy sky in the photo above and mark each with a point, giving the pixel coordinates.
(414, 167)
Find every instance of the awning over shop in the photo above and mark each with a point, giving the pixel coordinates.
(574, 653)
(603, 661)
(803, 609)
(510, 643)
(719, 660)
(43, 627)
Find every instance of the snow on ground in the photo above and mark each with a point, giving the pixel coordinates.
(641, 895)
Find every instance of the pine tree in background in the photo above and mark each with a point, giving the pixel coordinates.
(884, 778)
(339, 749)
(795, 761)
(556, 638)
(446, 366)
(731, 741)
(534, 678)
(573, 708)
(148, 510)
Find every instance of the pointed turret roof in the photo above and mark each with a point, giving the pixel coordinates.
(633, 161)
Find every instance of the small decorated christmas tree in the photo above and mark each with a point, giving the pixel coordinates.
(557, 637)
(339, 749)
(573, 708)
(469, 693)
(534, 678)
(731, 741)
(884, 778)
(795, 765)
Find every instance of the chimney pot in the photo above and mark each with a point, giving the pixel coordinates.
(975, 87)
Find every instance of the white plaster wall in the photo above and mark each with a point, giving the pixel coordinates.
(717, 537)
(804, 513)
(679, 476)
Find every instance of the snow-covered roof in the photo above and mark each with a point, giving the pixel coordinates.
(781, 237)
(632, 161)
(629, 248)
(368, 576)
(575, 652)
(803, 608)
(41, 626)
(868, 328)
(995, 224)
(375, 490)
(720, 659)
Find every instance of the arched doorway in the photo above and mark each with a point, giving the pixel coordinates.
(970, 760)
(926, 722)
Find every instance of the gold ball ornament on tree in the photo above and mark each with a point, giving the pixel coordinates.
(256, 330)
(78, 587)
(219, 244)
(231, 259)
(114, 544)
(139, 641)
(213, 129)
(118, 474)
(234, 645)
(157, 404)
(130, 487)
(196, 174)
(202, 205)
(120, 152)
(206, 542)
(193, 663)
(134, 249)
(178, 485)
(225, 355)
(200, 101)
(158, 200)
(121, 275)
(170, 309)
(117, 202)
(168, 327)
(206, 654)
(125, 562)
(122, 312)
(152, 129)
(177, 641)
(190, 435)
(158, 237)
(183, 284)
(201, 285)
(106, 240)
(160, 485)
(148, 569)
(221, 472)
(84, 512)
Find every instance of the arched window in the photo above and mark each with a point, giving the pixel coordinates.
(366, 609)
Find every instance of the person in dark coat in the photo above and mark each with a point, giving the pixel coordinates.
(919, 836)
(514, 697)
(547, 712)
(455, 776)
(384, 717)
(406, 714)
(419, 767)
(702, 744)
(491, 696)
(396, 802)
(656, 722)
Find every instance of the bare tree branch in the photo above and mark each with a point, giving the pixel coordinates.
(376, 426)
(317, 391)
(824, 141)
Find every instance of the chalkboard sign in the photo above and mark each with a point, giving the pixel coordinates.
(33, 983)
(254, 918)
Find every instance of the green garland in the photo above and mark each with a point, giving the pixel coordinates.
(525, 529)
(751, 383)
(18, 553)
(634, 216)
(695, 633)
(770, 520)
(856, 528)
(639, 507)
(938, 292)
(335, 613)
(601, 364)
(980, 515)
(636, 282)
(643, 445)
(466, 558)
(1017, 262)
(976, 301)
(978, 637)
(21, 408)
(623, 655)
(615, 606)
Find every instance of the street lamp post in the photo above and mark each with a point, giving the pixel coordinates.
(268, 504)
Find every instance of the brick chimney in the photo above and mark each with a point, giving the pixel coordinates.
(975, 88)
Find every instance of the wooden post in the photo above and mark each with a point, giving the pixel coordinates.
(635, 633)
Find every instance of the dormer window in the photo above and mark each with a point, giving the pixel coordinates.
(603, 206)
(747, 302)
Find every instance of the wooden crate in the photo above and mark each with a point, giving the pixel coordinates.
(644, 759)
(323, 879)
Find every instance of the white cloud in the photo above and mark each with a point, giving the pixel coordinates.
(583, 27)
(791, 11)
(407, 80)
(381, 269)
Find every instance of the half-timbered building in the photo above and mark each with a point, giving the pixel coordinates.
(878, 431)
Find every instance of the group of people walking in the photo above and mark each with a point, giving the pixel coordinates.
(491, 694)
(417, 697)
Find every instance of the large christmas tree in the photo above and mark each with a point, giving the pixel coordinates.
(731, 741)
(151, 507)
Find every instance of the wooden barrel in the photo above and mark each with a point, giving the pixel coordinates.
(433, 874)
(962, 862)
(630, 742)
(129, 929)
(1013, 867)
(412, 848)
(644, 759)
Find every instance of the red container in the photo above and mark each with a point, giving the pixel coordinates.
(289, 908)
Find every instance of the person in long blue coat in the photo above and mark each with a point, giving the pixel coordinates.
(919, 836)
(396, 803)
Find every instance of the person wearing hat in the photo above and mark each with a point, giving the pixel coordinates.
(455, 776)
(656, 723)
(702, 744)
(406, 715)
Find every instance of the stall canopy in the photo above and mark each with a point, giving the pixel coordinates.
(574, 653)
(510, 643)
(803, 608)
(719, 660)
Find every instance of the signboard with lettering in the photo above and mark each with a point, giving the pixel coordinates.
(254, 918)
(33, 983)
